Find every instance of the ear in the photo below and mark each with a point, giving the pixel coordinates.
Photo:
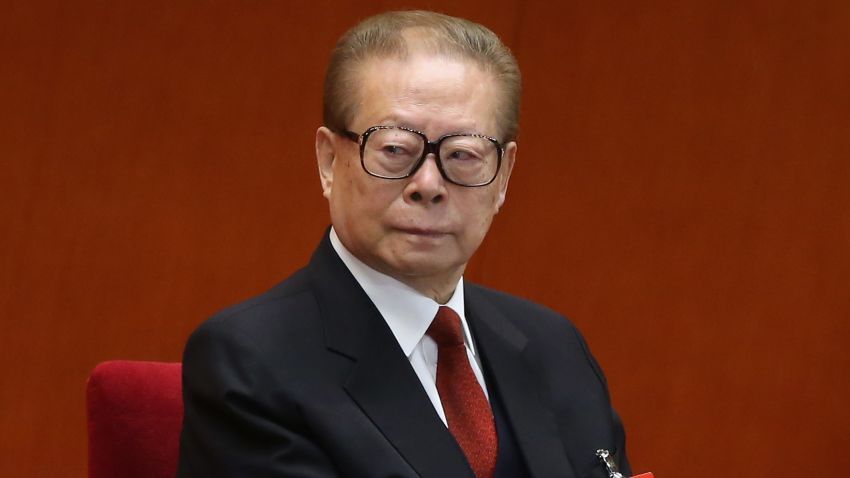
(325, 156)
(508, 160)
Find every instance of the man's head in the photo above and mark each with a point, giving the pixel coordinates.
(428, 73)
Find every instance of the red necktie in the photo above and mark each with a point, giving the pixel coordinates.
(468, 413)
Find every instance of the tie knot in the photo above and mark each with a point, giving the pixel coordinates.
(445, 329)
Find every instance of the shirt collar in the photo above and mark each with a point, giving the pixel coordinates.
(407, 312)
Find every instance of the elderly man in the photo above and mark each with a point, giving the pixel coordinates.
(376, 359)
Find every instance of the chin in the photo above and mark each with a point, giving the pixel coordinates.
(424, 265)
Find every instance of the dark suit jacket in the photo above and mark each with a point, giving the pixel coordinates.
(307, 380)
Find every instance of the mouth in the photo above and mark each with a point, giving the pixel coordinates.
(422, 232)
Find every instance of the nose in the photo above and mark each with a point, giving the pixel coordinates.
(427, 185)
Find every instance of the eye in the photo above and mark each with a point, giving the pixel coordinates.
(395, 150)
(461, 155)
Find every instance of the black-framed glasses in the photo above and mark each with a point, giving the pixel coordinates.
(396, 152)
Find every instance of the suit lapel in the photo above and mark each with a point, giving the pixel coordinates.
(381, 380)
(390, 393)
(501, 346)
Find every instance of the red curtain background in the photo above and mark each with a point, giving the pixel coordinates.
(681, 193)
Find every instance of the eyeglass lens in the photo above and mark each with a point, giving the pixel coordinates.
(393, 153)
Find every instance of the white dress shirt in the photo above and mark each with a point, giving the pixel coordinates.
(409, 314)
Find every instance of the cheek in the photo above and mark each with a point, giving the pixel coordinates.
(374, 200)
(479, 215)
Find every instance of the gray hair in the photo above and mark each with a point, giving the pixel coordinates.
(387, 35)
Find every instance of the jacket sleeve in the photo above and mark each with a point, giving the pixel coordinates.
(231, 426)
(618, 430)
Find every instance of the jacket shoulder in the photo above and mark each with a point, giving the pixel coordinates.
(522, 312)
(293, 286)
(545, 327)
(282, 320)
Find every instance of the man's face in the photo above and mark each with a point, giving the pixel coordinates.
(421, 230)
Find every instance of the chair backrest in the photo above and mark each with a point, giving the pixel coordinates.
(135, 413)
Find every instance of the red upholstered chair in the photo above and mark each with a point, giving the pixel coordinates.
(135, 412)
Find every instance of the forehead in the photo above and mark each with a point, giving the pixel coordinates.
(437, 94)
